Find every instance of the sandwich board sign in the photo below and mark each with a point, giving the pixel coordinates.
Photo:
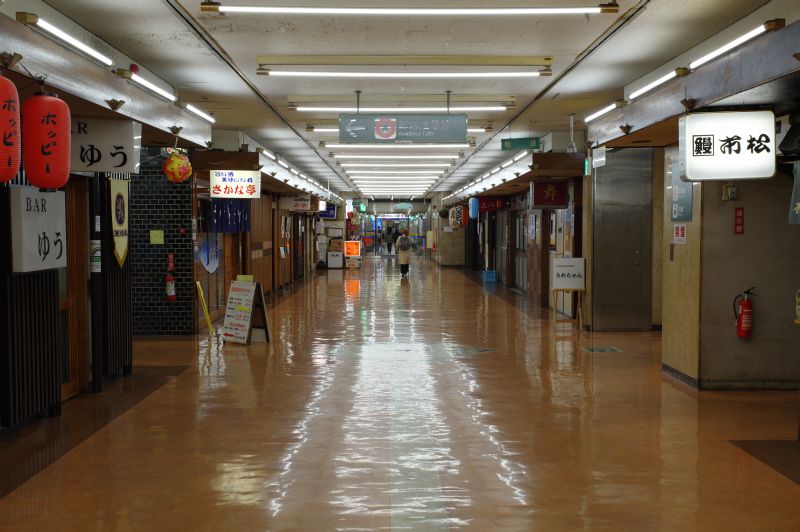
(244, 299)
(569, 274)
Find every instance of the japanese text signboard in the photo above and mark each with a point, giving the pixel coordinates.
(329, 213)
(239, 312)
(727, 145)
(240, 184)
(523, 143)
(296, 202)
(550, 195)
(38, 229)
(569, 274)
(398, 129)
(102, 145)
(738, 221)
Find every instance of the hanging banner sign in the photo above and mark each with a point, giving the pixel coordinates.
(38, 229)
(726, 146)
(105, 145)
(296, 202)
(489, 204)
(522, 143)
(240, 184)
(569, 274)
(550, 195)
(119, 218)
(398, 129)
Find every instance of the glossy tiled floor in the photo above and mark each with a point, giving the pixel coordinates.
(428, 404)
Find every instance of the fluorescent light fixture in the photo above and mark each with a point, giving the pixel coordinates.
(520, 156)
(652, 85)
(372, 198)
(295, 172)
(282, 163)
(405, 75)
(136, 78)
(730, 46)
(389, 172)
(268, 153)
(507, 163)
(478, 108)
(600, 113)
(192, 109)
(484, 176)
(397, 165)
(72, 41)
(398, 146)
(409, 11)
(412, 198)
(363, 156)
(476, 130)
(325, 129)
(495, 171)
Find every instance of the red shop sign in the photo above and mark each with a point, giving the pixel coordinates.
(489, 204)
(738, 220)
(554, 195)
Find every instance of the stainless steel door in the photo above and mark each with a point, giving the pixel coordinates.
(501, 244)
(622, 214)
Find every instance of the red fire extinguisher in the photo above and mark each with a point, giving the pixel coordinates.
(743, 309)
(169, 281)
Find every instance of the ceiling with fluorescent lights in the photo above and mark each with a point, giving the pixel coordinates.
(211, 60)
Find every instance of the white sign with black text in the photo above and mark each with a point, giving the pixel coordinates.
(296, 202)
(38, 229)
(727, 145)
(240, 184)
(569, 274)
(103, 145)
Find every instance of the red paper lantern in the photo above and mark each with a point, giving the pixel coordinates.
(46, 130)
(9, 129)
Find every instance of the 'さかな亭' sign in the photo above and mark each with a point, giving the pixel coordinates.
(241, 184)
(568, 274)
(38, 229)
(727, 145)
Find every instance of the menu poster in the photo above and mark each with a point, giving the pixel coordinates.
(243, 298)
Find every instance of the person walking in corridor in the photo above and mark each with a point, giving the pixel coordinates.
(389, 239)
(404, 252)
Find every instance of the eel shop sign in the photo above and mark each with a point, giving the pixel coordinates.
(38, 229)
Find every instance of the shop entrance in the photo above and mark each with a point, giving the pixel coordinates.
(73, 292)
(519, 251)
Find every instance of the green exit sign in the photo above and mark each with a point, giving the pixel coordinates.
(522, 143)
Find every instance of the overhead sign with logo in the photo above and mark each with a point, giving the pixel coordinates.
(296, 202)
(569, 274)
(402, 206)
(402, 128)
(105, 145)
(329, 213)
(119, 218)
(550, 195)
(239, 184)
(38, 229)
(727, 145)
(521, 143)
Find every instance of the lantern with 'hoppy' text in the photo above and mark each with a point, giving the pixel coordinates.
(458, 217)
(9, 129)
(177, 167)
(46, 130)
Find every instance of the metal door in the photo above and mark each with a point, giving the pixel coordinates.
(521, 250)
(622, 241)
(501, 244)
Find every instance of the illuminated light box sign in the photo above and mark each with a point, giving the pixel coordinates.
(352, 248)
(727, 145)
(241, 184)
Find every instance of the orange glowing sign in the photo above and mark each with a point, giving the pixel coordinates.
(352, 248)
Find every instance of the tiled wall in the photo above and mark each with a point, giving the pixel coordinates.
(157, 204)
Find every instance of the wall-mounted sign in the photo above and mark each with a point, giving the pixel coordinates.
(38, 229)
(521, 143)
(679, 234)
(681, 197)
(242, 184)
(296, 202)
(105, 145)
(738, 220)
(329, 213)
(568, 274)
(403, 128)
(119, 219)
(550, 195)
(598, 157)
(727, 145)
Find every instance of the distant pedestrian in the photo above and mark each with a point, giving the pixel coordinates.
(404, 252)
(389, 239)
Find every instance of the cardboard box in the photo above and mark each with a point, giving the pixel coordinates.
(336, 245)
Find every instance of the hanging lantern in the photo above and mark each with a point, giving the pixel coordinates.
(473, 208)
(46, 130)
(9, 129)
(458, 217)
(177, 167)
